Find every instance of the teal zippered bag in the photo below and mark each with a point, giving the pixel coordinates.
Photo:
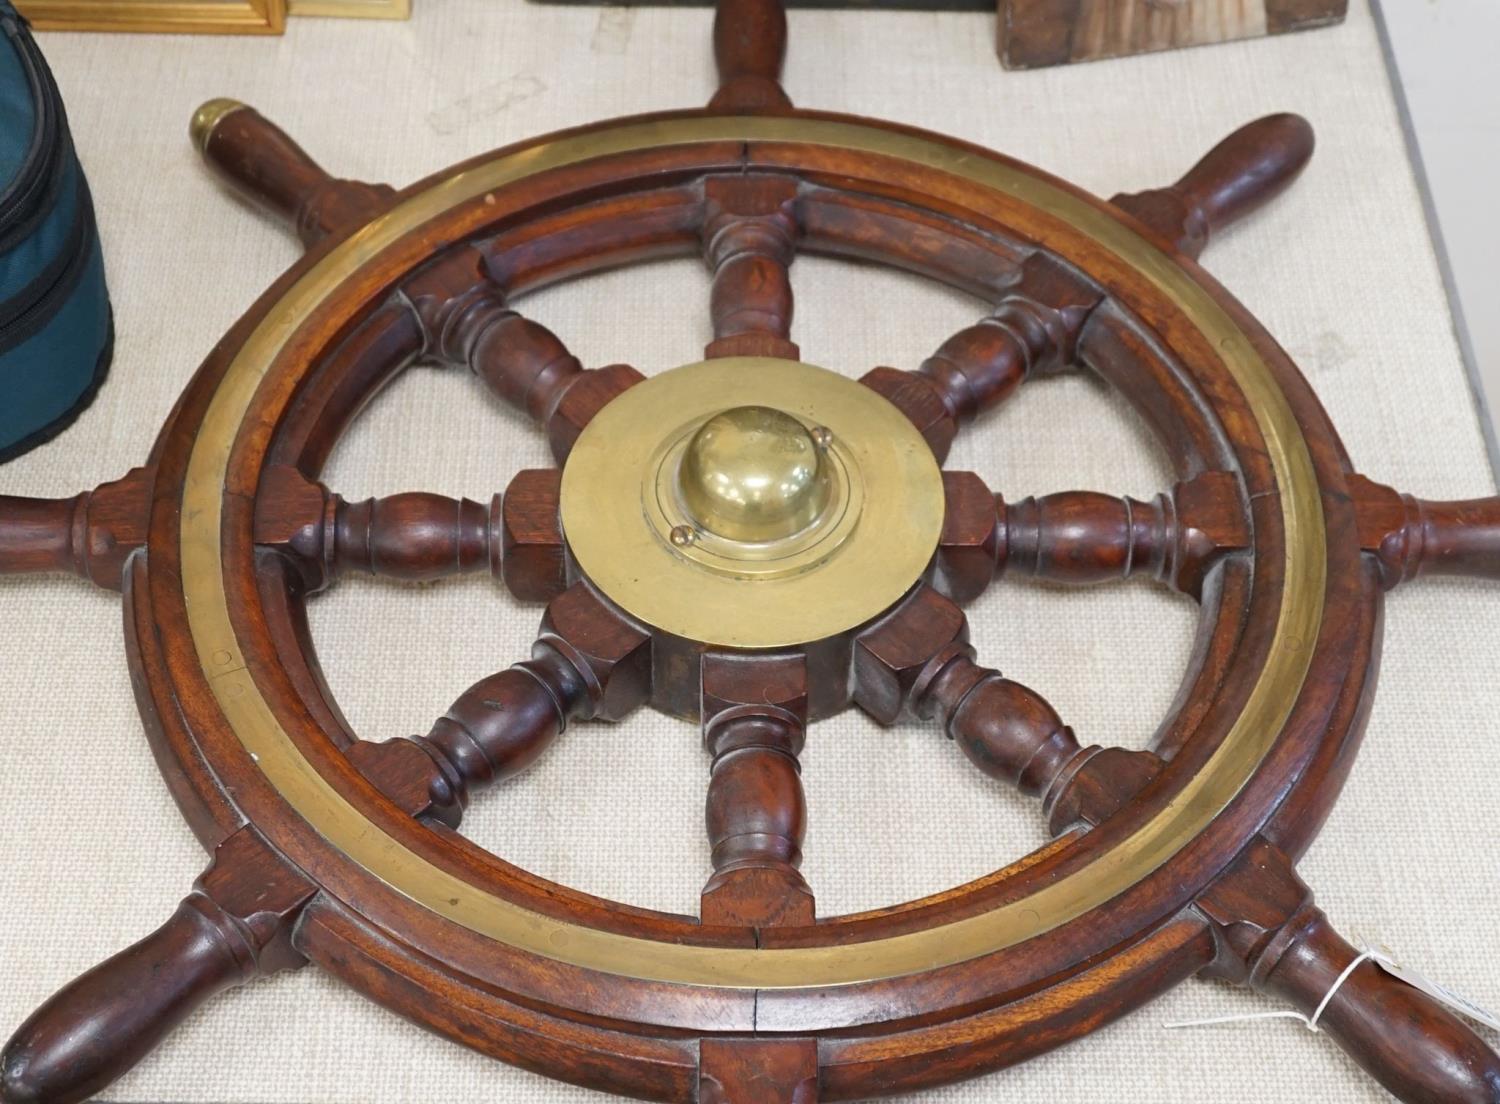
(56, 335)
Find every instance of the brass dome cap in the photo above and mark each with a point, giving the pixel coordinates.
(754, 474)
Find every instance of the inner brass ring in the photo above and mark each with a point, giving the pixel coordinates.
(669, 511)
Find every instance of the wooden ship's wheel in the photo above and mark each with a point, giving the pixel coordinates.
(755, 543)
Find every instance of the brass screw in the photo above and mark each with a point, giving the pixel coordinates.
(822, 437)
(683, 535)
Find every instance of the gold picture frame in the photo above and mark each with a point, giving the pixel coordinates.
(158, 16)
(352, 9)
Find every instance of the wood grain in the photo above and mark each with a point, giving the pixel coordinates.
(1038, 33)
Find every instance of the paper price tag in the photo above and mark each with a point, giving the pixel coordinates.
(1440, 993)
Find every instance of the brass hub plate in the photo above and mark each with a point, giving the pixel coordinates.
(617, 528)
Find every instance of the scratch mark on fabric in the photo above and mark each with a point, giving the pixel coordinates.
(613, 30)
(485, 103)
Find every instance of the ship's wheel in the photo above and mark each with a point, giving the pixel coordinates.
(753, 542)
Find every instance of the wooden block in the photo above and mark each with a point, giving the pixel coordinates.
(1034, 34)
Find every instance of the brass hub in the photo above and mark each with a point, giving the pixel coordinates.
(755, 475)
(779, 504)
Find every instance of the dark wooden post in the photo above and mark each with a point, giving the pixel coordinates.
(589, 662)
(494, 730)
(1082, 537)
(417, 536)
(469, 323)
(754, 721)
(749, 240)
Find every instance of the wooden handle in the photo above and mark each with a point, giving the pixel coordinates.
(261, 161)
(749, 47)
(103, 1023)
(1247, 169)
(236, 923)
(1412, 536)
(256, 156)
(1459, 538)
(36, 534)
(1399, 1035)
(91, 534)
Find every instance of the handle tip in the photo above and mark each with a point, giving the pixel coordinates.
(1292, 134)
(18, 1085)
(208, 116)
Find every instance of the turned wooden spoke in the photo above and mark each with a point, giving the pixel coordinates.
(754, 721)
(1246, 170)
(1010, 733)
(469, 323)
(1087, 537)
(495, 729)
(588, 663)
(417, 536)
(1084, 537)
(1413, 536)
(917, 662)
(263, 163)
(237, 923)
(749, 47)
(91, 534)
(749, 239)
(1032, 332)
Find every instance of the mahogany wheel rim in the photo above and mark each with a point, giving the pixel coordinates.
(1278, 364)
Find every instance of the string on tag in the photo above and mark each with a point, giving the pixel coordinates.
(1309, 1022)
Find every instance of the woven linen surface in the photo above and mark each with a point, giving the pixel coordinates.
(1340, 270)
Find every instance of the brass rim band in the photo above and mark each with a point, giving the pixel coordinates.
(1200, 800)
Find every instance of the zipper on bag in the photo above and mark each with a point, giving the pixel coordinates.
(25, 314)
(30, 194)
